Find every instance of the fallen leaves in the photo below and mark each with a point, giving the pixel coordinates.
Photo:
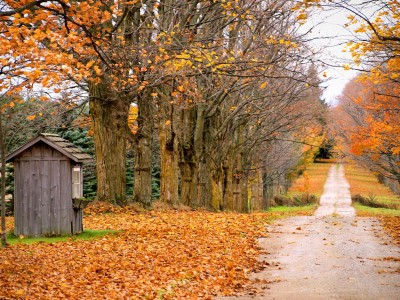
(392, 225)
(165, 255)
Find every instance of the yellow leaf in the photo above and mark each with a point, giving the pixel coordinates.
(302, 16)
(31, 118)
(154, 94)
(89, 64)
(168, 122)
(20, 292)
(97, 70)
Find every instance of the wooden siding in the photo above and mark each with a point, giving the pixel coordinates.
(43, 193)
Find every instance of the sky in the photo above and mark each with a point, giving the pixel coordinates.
(329, 40)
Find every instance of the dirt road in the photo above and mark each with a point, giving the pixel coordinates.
(331, 255)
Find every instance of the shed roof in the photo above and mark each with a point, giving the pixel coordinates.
(56, 142)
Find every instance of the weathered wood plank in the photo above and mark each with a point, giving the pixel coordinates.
(26, 202)
(36, 201)
(45, 195)
(37, 150)
(66, 197)
(47, 151)
(30, 158)
(56, 153)
(78, 226)
(55, 197)
(27, 152)
(18, 196)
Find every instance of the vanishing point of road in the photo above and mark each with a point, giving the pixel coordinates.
(331, 255)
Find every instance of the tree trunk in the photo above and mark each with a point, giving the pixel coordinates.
(169, 154)
(228, 181)
(110, 123)
(217, 193)
(3, 183)
(187, 158)
(201, 149)
(144, 150)
(245, 208)
(265, 190)
(255, 189)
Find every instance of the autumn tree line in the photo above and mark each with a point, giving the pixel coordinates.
(366, 120)
(223, 87)
(225, 90)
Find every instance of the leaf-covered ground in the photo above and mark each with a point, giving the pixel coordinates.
(160, 254)
(391, 224)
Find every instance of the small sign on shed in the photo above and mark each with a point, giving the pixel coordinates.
(48, 186)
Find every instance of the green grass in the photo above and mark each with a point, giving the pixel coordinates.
(85, 235)
(292, 209)
(366, 210)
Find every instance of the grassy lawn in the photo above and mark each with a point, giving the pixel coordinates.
(363, 210)
(85, 235)
(313, 179)
(293, 209)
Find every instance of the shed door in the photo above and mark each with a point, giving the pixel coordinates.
(43, 197)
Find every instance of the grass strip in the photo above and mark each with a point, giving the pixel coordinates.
(87, 234)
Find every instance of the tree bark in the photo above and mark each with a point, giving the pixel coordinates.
(217, 198)
(110, 123)
(3, 184)
(202, 153)
(187, 158)
(228, 182)
(144, 150)
(169, 154)
(255, 190)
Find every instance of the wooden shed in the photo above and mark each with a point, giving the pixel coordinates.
(47, 179)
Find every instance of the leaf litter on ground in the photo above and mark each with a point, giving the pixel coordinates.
(170, 254)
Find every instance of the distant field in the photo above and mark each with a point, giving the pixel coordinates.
(313, 179)
(365, 183)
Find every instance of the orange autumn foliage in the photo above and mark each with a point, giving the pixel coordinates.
(380, 129)
(367, 119)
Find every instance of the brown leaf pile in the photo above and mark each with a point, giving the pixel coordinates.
(392, 226)
(164, 255)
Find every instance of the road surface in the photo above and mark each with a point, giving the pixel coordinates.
(331, 255)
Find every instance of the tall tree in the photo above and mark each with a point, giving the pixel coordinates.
(3, 182)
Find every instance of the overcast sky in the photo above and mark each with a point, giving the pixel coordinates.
(330, 37)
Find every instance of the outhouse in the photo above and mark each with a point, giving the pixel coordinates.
(48, 186)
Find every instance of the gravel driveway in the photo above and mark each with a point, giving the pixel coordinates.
(331, 255)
